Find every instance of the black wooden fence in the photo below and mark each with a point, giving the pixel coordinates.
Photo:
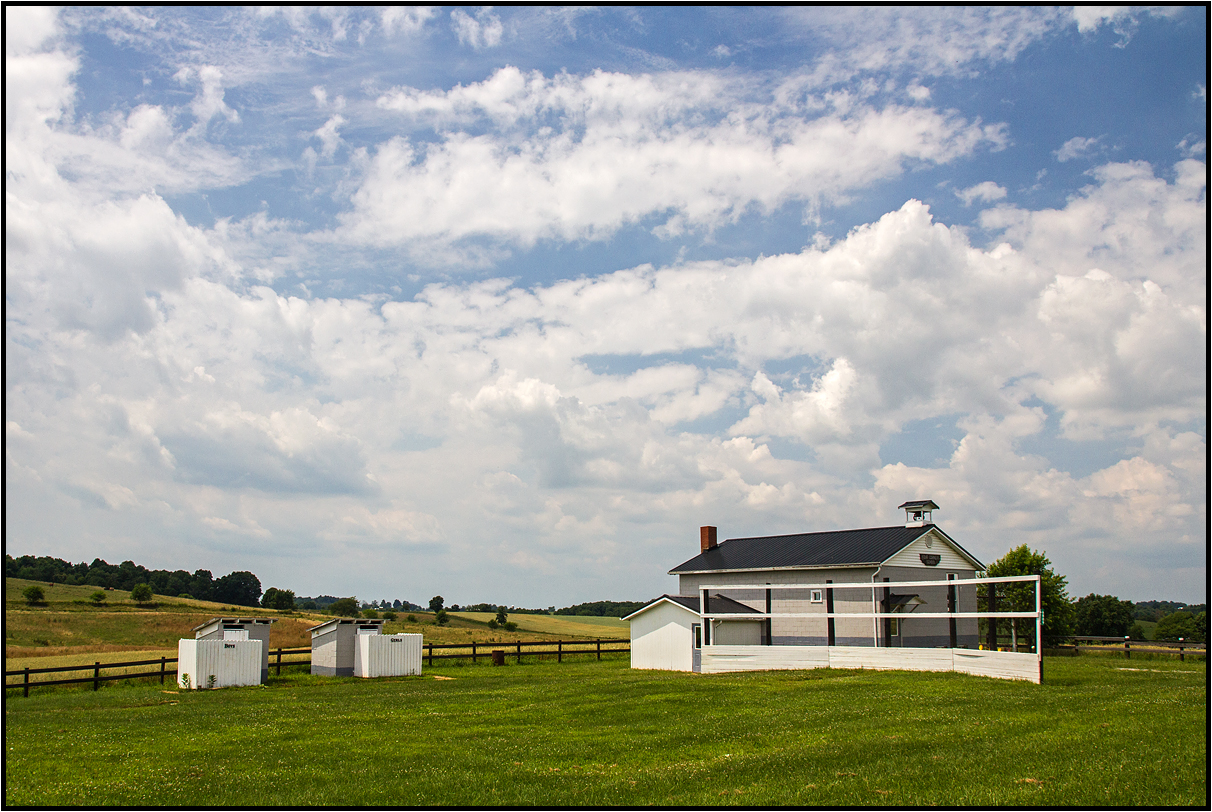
(1074, 644)
(540, 649)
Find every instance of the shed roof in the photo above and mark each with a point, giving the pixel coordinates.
(691, 603)
(832, 548)
(361, 621)
(923, 504)
(243, 621)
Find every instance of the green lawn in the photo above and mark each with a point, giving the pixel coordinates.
(593, 733)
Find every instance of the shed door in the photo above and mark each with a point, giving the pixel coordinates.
(696, 655)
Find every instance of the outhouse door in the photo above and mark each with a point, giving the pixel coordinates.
(696, 655)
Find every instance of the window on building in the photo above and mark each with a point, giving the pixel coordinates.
(817, 596)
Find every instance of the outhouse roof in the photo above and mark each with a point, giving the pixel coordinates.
(691, 603)
(361, 621)
(233, 621)
(868, 547)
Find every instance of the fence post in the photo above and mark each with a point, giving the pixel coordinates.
(559, 651)
(96, 676)
(279, 662)
(991, 641)
(162, 670)
(473, 652)
(1181, 657)
(1127, 647)
(519, 642)
(431, 655)
(26, 689)
(599, 648)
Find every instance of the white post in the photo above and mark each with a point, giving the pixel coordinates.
(1039, 618)
(875, 621)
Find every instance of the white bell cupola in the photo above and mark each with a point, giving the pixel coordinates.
(919, 513)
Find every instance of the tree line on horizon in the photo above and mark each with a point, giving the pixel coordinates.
(1096, 615)
(239, 588)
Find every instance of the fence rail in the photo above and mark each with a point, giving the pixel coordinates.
(515, 649)
(474, 651)
(1128, 646)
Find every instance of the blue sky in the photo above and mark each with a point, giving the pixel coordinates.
(503, 303)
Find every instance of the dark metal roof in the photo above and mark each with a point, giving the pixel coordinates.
(718, 603)
(920, 503)
(833, 548)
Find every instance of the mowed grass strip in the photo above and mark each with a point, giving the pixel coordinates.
(593, 733)
(570, 625)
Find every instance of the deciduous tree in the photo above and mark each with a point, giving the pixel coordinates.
(1103, 616)
(344, 607)
(1058, 611)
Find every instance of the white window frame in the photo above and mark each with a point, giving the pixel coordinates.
(816, 596)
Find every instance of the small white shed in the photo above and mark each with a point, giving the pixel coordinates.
(218, 663)
(334, 644)
(387, 655)
(667, 635)
(239, 628)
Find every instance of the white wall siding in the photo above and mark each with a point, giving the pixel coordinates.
(949, 557)
(999, 664)
(663, 638)
(722, 659)
(384, 655)
(230, 662)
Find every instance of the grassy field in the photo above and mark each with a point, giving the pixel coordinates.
(67, 629)
(567, 625)
(1096, 733)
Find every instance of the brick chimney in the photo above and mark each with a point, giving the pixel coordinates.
(707, 538)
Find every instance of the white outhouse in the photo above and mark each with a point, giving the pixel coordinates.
(667, 633)
(239, 628)
(387, 655)
(218, 662)
(334, 644)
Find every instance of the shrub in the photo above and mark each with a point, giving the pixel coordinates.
(142, 593)
(186, 595)
(492, 624)
(369, 613)
(412, 618)
(97, 598)
(441, 618)
(389, 615)
(510, 626)
(345, 607)
(33, 595)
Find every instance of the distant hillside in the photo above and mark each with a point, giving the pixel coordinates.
(237, 588)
